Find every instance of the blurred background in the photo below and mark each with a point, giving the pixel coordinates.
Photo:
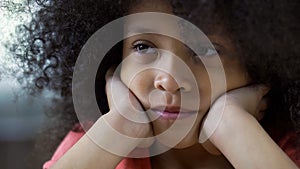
(21, 114)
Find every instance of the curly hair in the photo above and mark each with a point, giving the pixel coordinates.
(265, 32)
(266, 35)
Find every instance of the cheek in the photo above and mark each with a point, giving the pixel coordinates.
(236, 76)
(128, 72)
(215, 81)
(235, 81)
(140, 83)
(204, 88)
(133, 72)
(124, 75)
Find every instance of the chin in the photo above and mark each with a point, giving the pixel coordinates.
(190, 139)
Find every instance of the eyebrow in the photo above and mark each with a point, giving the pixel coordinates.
(139, 30)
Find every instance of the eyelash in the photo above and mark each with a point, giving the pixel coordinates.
(145, 50)
(213, 51)
(148, 45)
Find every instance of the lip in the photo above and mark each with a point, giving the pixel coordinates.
(172, 113)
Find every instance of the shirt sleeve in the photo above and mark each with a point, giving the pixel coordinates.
(71, 138)
(136, 163)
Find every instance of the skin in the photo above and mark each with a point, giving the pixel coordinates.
(169, 81)
(142, 83)
(248, 144)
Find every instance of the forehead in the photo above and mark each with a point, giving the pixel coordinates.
(151, 22)
(150, 6)
(163, 24)
(206, 15)
(139, 24)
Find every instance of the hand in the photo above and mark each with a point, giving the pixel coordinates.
(250, 98)
(126, 114)
(113, 136)
(239, 136)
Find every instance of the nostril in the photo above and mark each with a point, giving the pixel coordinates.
(182, 89)
(165, 82)
(185, 87)
(160, 87)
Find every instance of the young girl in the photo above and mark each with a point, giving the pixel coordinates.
(258, 51)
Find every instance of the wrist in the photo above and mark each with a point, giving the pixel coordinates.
(125, 125)
(106, 137)
(234, 123)
(244, 142)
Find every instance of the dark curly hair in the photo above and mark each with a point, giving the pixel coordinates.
(265, 32)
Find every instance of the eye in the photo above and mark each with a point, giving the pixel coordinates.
(206, 51)
(144, 48)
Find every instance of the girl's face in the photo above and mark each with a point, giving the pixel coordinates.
(169, 85)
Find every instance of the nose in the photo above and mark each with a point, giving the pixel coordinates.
(166, 82)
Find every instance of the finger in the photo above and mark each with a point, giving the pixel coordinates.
(262, 107)
(108, 77)
(108, 92)
(262, 89)
(115, 89)
(147, 142)
(248, 97)
(204, 139)
(110, 72)
(265, 89)
(122, 100)
(258, 103)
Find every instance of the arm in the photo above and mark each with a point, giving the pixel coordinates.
(245, 144)
(239, 136)
(113, 136)
(88, 153)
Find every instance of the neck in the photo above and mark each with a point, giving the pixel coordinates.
(192, 157)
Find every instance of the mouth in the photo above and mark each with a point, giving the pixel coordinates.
(172, 113)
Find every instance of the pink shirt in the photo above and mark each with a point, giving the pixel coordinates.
(287, 143)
